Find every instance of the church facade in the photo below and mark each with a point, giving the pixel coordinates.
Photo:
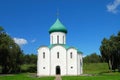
(58, 58)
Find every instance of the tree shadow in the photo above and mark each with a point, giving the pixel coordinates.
(109, 72)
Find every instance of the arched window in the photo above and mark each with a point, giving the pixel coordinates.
(58, 39)
(63, 39)
(43, 54)
(58, 55)
(43, 67)
(52, 39)
(71, 55)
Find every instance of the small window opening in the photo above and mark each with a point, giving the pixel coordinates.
(52, 39)
(43, 54)
(71, 55)
(43, 67)
(58, 55)
(71, 67)
(63, 40)
(58, 39)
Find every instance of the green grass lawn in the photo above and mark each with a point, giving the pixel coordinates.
(96, 71)
(24, 76)
(95, 68)
(114, 76)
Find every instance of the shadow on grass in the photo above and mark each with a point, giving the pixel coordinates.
(108, 73)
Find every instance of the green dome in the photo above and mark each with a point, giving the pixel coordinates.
(57, 27)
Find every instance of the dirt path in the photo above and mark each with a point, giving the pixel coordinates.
(58, 77)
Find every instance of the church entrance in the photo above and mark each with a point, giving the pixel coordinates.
(58, 70)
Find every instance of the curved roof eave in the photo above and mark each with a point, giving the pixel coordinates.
(43, 46)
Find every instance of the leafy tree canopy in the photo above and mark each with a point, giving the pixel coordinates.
(110, 51)
(10, 54)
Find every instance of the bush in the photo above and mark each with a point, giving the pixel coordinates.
(93, 58)
(32, 68)
(119, 68)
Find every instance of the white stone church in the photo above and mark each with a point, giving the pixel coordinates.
(58, 58)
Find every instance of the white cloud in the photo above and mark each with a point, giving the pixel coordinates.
(113, 7)
(20, 41)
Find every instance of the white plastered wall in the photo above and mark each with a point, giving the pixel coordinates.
(43, 64)
(58, 62)
(65, 62)
(72, 62)
(81, 64)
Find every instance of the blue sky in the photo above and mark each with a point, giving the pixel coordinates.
(87, 22)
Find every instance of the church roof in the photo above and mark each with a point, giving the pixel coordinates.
(65, 46)
(57, 27)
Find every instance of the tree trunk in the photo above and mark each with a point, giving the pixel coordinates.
(110, 64)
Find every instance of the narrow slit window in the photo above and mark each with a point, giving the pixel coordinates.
(43, 54)
(43, 67)
(63, 39)
(58, 39)
(52, 39)
(58, 55)
(71, 55)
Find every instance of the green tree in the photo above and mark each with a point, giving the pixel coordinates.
(10, 54)
(110, 51)
(105, 51)
(30, 59)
